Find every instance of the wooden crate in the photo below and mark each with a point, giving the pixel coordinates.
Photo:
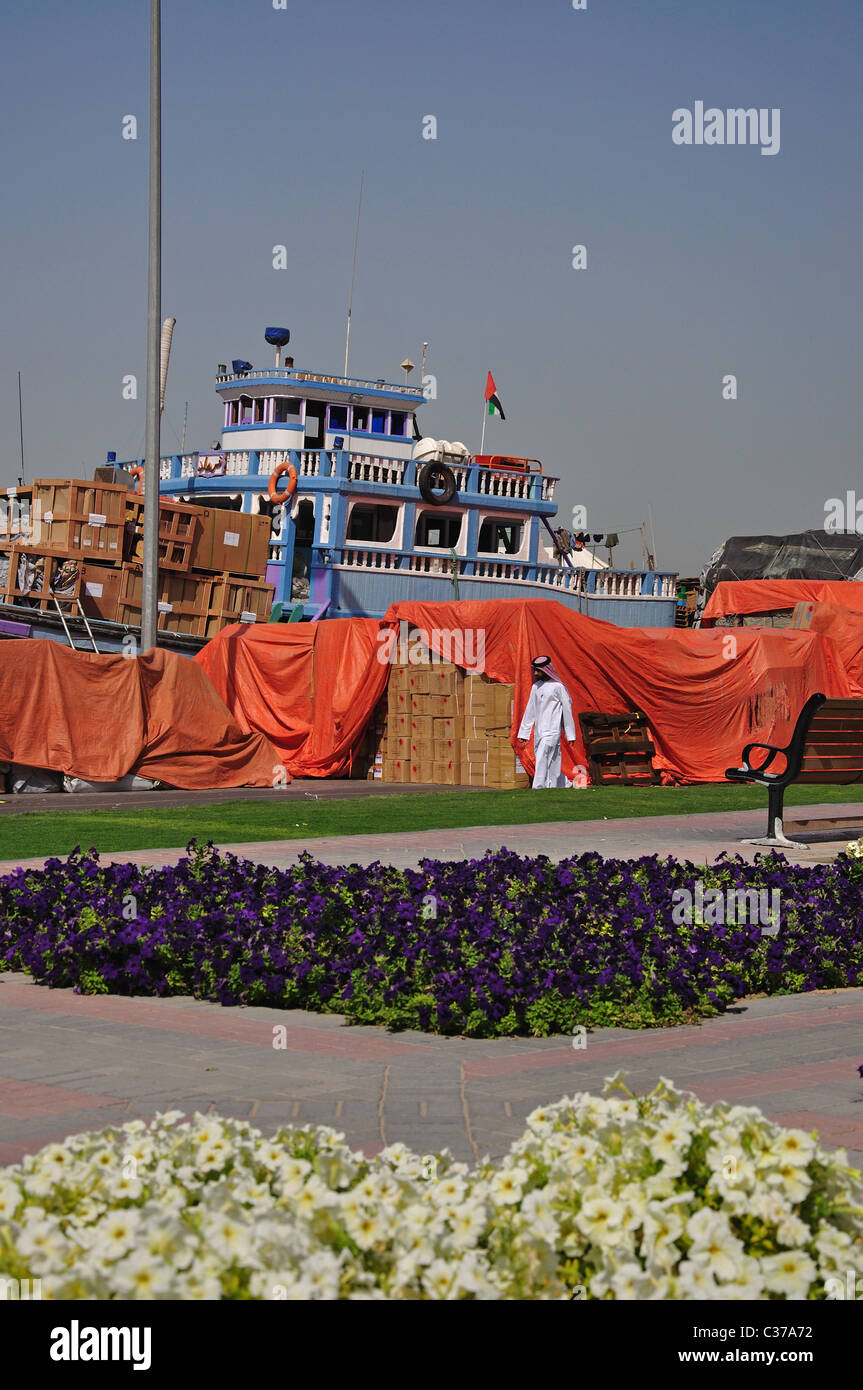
(183, 601)
(37, 591)
(619, 749)
(15, 515)
(181, 526)
(72, 517)
(239, 544)
(71, 581)
(236, 600)
(100, 591)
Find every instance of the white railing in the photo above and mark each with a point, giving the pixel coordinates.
(365, 468)
(430, 564)
(494, 484)
(370, 559)
(498, 569)
(371, 468)
(289, 374)
(609, 584)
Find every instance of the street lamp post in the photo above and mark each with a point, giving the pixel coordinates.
(149, 596)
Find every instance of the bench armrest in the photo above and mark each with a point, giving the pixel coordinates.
(771, 752)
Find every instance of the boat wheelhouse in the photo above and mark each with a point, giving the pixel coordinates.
(359, 533)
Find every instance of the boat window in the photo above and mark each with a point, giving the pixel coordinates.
(498, 537)
(224, 501)
(379, 422)
(397, 422)
(233, 412)
(258, 413)
(338, 417)
(245, 417)
(361, 417)
(440, 530)
(287, 408)
(305, 524)
(377, 524)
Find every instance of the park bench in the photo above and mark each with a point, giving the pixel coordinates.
(826, 747)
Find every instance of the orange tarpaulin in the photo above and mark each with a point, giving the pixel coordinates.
(845, 630)
(770, 595)
(101, 717)
(311, 688)
(704, 696)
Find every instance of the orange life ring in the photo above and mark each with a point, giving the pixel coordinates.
(273, 492)
(138, 473)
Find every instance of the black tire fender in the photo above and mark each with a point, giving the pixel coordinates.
(436, 475)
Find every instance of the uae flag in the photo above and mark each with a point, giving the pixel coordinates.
(494, 405)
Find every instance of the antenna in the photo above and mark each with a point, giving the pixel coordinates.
(354, 271)
(21, 428)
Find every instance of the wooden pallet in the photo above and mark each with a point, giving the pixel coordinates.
(619, 749)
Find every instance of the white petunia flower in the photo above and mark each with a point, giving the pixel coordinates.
(139, 1275)
(10, 1199)
(599, 1219)
(791, 1273)
(507, 1185)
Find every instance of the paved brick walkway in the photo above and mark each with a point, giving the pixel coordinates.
(69, 1063)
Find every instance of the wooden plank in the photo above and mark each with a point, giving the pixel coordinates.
(838, 725)
(849, 749)
(826, 776)
(622, 745)
(834, 752)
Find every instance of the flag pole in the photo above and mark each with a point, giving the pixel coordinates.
(484, 418)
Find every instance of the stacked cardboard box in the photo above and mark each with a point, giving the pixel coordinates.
(488, 758)
(445, 728)
(368, 761)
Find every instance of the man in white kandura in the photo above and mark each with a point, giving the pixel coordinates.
(548, 708)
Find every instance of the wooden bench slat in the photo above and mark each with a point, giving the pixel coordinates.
(835, 736)
(816, 745)
(833, 764)
(841, 778)
(833, 750)
(848, 723)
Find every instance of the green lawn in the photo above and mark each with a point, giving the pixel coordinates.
(33, 834)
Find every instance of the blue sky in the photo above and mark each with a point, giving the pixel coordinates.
(554, 129)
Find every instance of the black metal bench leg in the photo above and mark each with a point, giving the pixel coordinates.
(776, 836)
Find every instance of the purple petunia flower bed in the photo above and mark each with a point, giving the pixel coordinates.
(499, 945)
